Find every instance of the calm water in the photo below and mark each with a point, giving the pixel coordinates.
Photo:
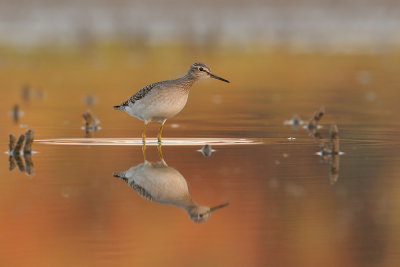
(285, 207)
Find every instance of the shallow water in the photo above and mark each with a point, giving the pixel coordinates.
(286, 207)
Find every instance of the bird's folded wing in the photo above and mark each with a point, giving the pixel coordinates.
(141, 93)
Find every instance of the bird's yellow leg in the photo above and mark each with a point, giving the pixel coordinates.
(144, 141)
(144, 133)
(160, 132)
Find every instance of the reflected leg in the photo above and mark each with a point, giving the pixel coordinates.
(159, 148)
(144, 151)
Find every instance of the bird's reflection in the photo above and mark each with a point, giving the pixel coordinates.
(156, 181)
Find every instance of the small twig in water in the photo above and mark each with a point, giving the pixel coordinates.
(313, 122)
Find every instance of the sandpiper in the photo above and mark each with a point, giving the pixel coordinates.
(156, 181)
(162, 100)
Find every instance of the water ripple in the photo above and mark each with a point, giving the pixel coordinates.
(151, 142)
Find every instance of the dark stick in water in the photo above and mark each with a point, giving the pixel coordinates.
(12, 142)
(19, 144)
(334, 133)
(28, 142)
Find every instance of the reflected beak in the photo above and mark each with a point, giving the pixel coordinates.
(218, 207)
(217, 77)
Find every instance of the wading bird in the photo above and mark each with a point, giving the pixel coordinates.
(162, 100)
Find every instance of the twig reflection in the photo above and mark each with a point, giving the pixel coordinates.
(20, 152)
(331, 153)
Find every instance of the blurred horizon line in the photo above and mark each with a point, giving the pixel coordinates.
(324, 27)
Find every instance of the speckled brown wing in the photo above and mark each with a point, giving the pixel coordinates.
(140, 190)
(139, 95)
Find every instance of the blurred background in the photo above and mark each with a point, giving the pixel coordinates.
(301, 25)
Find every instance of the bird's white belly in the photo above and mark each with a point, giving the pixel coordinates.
(164, 184)
(158, 107)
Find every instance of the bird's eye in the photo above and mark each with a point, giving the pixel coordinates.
(201, 215)
(201, 69)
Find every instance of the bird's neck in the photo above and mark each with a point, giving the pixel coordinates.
(186, 203)
(186, 82)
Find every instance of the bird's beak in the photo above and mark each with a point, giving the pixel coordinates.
(218, 78)
(218, 207)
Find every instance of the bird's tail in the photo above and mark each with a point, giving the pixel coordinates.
(119, 174)
(119, 107)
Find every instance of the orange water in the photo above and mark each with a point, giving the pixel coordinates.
(284, 210)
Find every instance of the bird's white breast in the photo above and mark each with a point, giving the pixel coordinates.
(165, 184)
(159, 105)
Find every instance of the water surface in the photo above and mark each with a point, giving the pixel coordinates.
(284, 207)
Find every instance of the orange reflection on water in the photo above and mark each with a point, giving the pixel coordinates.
(283, 209)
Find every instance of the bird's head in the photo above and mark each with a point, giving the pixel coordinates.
(202, 71)
(199, 214)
